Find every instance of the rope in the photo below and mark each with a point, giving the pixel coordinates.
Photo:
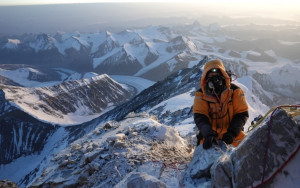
(268, 144)
(251, 127)
(277, 171)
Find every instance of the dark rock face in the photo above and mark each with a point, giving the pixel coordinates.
(151, 57)
(125, 65)
(4, 104)
(21, 135)
(244, 167)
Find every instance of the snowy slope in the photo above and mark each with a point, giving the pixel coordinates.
(70, 102)
(21, 76)
(136, 82)
(12, 43)
(137, 138)
(138, 143)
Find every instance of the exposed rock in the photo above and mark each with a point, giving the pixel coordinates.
(140, 179)
(5, 107)
(202, 161)
(108, 164)
(119, 144)
(7, 184)
(108, 125)
(22, 135)
(244, 167)
(89, 157)
(116, 137)
(222, 175)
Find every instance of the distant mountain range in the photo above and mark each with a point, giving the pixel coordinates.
(152, 53)
(58, 89)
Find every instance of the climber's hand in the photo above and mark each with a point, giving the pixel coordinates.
(228, 138)
(208, 142)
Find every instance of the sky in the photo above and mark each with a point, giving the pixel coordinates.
(70, 15)
(238, 4)
(279, 7)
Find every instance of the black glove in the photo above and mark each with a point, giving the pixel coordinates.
(228, 138)
(206, 130)
(208, 142)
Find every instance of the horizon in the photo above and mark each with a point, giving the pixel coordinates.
(96, 15)
(284, 6)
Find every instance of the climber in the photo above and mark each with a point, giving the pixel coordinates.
(220, 107)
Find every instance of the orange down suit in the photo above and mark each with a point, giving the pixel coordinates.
(220, 113)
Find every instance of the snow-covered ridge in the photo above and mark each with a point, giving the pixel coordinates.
(151, 52)
(137, 49)
(137, 141)
(70, 102)
(27, 76)
(12, 43)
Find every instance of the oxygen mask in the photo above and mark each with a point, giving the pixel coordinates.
(215, 85)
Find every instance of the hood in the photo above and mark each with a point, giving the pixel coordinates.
(210, 65)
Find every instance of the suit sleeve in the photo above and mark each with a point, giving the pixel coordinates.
(200, 110)
(239, 101)
(200, 106)
(203, 125)
(240, 112)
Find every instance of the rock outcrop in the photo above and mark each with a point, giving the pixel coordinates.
(246, 165)
(140, 179)
(7, 184)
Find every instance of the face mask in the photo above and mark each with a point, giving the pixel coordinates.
(215, 85)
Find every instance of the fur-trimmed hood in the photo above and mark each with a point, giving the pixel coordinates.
(217, 63)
